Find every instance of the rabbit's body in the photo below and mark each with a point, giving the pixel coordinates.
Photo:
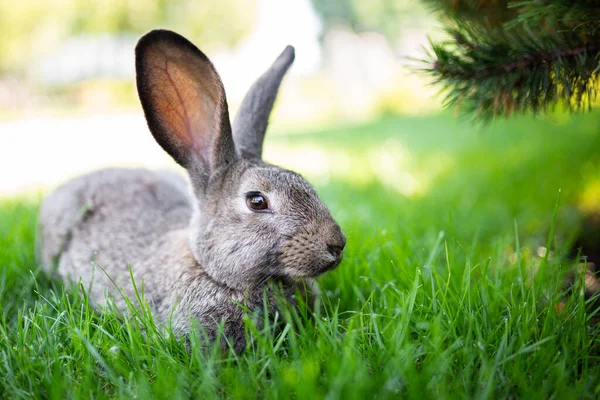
(205, 249)
(113, 219)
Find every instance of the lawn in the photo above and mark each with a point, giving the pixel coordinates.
(458, 237)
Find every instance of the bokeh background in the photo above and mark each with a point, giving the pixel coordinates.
(67, 94)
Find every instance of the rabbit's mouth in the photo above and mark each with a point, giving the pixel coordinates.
(308, 259)
(328, 265)
(334, 264)
(317, 268)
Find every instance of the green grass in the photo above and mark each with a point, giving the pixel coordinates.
(442, 294)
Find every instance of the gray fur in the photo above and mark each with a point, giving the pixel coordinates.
(251, 121)
(199, 252)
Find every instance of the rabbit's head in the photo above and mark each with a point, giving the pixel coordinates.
(253, 220)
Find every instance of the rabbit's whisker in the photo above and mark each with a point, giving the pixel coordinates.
(265, 279)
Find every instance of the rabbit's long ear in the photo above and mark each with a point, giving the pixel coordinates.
(184, 102)
(251, 121)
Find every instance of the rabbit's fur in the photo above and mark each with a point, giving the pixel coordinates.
(201, 255)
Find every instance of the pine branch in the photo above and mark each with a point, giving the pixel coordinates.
(549, 53)
(528, 62)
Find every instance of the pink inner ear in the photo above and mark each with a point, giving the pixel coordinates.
(185, 100)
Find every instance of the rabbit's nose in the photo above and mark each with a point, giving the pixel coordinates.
(336, 247)
(334, 250)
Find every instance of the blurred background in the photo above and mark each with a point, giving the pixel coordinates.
(353, 115)
(68, 102)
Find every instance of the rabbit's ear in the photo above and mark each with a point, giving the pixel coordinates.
(184, 102)
(251, 121)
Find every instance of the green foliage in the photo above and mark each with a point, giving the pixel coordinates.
(441, 295)
(505, 57)
(32, 27)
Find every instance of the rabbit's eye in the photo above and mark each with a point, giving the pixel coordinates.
(257, 202)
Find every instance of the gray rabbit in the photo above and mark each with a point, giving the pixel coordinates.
(246, 222)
